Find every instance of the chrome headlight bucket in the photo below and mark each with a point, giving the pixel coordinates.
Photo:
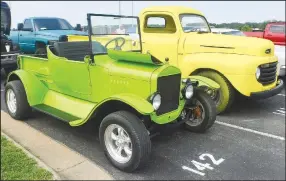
(156, 100)
(257, 73)
(188, 91)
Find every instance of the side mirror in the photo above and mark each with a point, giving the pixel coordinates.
(20, 26)
(78, 27)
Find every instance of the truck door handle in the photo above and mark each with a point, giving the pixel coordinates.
(20, 34)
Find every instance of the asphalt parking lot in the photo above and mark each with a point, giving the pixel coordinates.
(246, 143)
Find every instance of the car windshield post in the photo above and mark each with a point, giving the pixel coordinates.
(202, 26)
(106, 27)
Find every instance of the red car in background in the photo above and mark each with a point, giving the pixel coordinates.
(273, 31)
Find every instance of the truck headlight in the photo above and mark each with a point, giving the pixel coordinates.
(156, 101)
(188, 91)
(257, 74)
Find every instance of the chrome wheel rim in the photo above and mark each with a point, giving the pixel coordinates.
(118, 143)
(194, 120)
(11, 101)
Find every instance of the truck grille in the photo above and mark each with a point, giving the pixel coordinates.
(169, 89)
(268, 73)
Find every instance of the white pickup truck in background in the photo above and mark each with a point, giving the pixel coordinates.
(279, 49)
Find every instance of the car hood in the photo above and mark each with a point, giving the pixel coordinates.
(57, 33)
(219, 43)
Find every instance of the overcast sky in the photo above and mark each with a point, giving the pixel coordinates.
(215, 11)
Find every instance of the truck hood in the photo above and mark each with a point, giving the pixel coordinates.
(219, 43)
(58, 33)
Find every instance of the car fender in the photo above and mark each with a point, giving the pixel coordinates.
(138, 103)
(35, 89)
(204, 81)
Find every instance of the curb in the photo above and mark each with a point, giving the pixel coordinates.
(29, 154)
(63, 162)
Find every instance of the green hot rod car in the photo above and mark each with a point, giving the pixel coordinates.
(128, 93)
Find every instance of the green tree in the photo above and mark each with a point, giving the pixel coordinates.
(245, 28)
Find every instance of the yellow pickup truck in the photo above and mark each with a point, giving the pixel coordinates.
(238, 64)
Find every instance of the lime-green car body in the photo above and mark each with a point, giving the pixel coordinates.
(75, 91)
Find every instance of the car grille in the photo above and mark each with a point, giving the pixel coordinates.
(268, 73)
(169, 89)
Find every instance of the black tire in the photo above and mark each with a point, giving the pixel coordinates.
(40, 51)
(23, 109)
(210, 112)
(141, 144)
(226, 91)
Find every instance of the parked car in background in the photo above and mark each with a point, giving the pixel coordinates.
(8, 50)
(227, 31)
(273, 31)
(35, 33)
(279, 50)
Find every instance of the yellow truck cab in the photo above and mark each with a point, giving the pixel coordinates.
(238, 64)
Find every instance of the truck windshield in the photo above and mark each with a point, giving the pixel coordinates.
(194, 23)
(52, 24)
(116, 32)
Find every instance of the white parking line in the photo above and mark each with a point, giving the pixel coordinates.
(281, 95)
(251, 130)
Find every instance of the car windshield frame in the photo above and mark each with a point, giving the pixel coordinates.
(191, 14)
(90, 33)
(57, 19)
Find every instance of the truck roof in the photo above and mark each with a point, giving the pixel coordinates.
(44, 18)
(177, 10)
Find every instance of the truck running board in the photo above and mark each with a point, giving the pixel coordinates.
(66, 117)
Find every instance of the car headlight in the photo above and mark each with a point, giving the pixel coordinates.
(257, 74)
(156, 101)
(188, 91)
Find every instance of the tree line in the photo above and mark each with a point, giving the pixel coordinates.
(248, 26)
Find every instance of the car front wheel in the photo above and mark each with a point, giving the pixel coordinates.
(125, 140)
(199, 113)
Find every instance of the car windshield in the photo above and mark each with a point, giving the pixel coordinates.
(236, 33)
(52, 24)
(194, 23)
(116, 32)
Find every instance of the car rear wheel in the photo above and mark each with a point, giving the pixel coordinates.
(41, 52)
(224, 97)
(16, 100)
(200, 112)
(125, 140)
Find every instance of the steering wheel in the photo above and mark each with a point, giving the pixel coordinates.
(117, 47)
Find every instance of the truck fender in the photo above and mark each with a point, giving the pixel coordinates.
(138, 103)
(204, 81)
(35, 89)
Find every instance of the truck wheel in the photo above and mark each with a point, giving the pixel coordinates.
(125, 140)
(41, 52)
(225, 95)
(199, 112)
(16, 100)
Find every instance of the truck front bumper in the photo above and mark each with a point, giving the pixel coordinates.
(9, 60)
(268, 93)
(282, 71)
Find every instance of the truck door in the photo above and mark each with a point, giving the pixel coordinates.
(160, 36)
(27, 37)
(275, 33)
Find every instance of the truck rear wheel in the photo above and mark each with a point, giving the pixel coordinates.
(125, 140)
(200, 112)
(16, 100)
(226, 93)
